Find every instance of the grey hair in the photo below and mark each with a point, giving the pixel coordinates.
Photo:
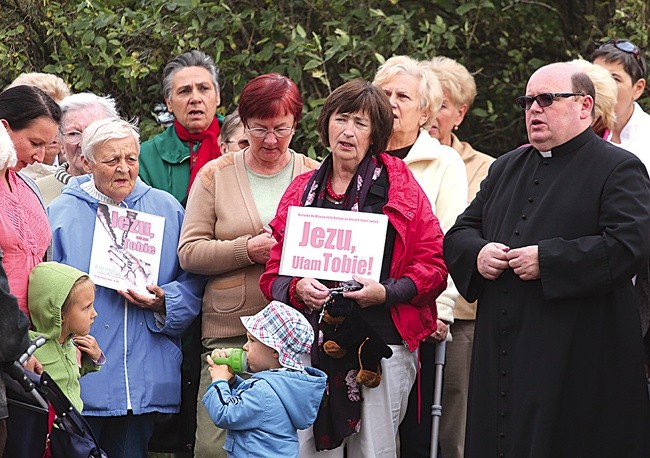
(193, 58)
(85, 100)
(103, 130)
(456, 79)
(230, 125)
(52, 85)
(429, 88)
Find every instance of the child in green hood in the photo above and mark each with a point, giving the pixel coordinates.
(60, 300)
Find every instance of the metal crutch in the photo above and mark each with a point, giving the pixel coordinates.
(436, 407)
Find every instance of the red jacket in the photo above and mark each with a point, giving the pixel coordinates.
(417, 253)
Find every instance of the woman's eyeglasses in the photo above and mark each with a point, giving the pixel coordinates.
(260, 132)
(73, 137)
(241, 144)
(627, 47)
(543, 100)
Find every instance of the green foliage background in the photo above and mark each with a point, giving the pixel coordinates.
(120, 47)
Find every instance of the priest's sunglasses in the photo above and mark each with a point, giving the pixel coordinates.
(543, 100)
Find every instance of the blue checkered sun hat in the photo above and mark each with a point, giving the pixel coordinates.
(284, 329)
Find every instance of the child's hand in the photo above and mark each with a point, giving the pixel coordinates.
(88, 345)
(33, 365)
(219, 371)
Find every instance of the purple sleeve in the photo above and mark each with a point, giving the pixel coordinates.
(399, 291)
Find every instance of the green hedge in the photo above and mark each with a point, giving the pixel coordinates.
(120, 47)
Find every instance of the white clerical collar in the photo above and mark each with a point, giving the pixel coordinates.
(546, 153)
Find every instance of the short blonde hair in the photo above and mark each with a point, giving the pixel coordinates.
(455, 79)
(606, 92)
(52, 85)
(429, 89)
(106, 129)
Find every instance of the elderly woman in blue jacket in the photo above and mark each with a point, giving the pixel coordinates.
(139, 332)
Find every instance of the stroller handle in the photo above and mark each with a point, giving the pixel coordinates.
(17, 372)
(34, 344)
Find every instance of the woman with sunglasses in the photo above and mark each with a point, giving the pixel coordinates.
(626, 63)
(233, 135)
(225, 233)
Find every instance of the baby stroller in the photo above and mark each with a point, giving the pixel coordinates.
(42, 422)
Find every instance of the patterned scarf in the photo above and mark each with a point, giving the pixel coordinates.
(208, 150)
(339, 414)
(358, 189)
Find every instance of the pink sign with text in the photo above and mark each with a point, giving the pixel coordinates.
(333, 244)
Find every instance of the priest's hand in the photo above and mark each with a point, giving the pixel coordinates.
(524, 262)
(492, 260)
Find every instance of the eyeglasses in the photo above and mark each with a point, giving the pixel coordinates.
(243, 143)
(260, 132)
(629, 48)
(73, 137)
(543, 100)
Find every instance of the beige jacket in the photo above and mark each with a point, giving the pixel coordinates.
(476, 165)
(50, 188)
(219, 219)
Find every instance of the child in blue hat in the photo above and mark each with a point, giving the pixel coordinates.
(262, 414)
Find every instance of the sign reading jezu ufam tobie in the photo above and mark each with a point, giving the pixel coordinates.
(333, 244)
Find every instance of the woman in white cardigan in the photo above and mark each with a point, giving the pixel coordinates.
(416, 95)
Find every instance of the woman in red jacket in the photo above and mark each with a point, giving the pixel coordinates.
(356, 123)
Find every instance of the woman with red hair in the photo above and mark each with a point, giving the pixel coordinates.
(225, 232)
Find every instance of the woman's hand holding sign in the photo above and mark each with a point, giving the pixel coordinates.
(155, 302)
(312, 292)
(372, 293)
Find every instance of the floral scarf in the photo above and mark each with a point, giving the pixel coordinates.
(339, 414)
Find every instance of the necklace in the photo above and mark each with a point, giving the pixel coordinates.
(337, 198)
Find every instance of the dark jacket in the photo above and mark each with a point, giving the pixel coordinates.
(557, 362)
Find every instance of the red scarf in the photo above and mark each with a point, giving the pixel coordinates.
(208, 150)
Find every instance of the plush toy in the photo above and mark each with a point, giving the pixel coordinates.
(347, 331)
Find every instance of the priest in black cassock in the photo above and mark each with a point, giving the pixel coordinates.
(549, 247)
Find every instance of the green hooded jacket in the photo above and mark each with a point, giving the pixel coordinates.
(49, 286)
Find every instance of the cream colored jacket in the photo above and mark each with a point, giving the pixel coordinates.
(477, 165)
(441, 173)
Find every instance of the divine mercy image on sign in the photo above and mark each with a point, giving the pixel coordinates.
(333, 244)
(126, 249)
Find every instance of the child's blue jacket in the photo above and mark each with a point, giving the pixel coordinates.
(262, 414)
